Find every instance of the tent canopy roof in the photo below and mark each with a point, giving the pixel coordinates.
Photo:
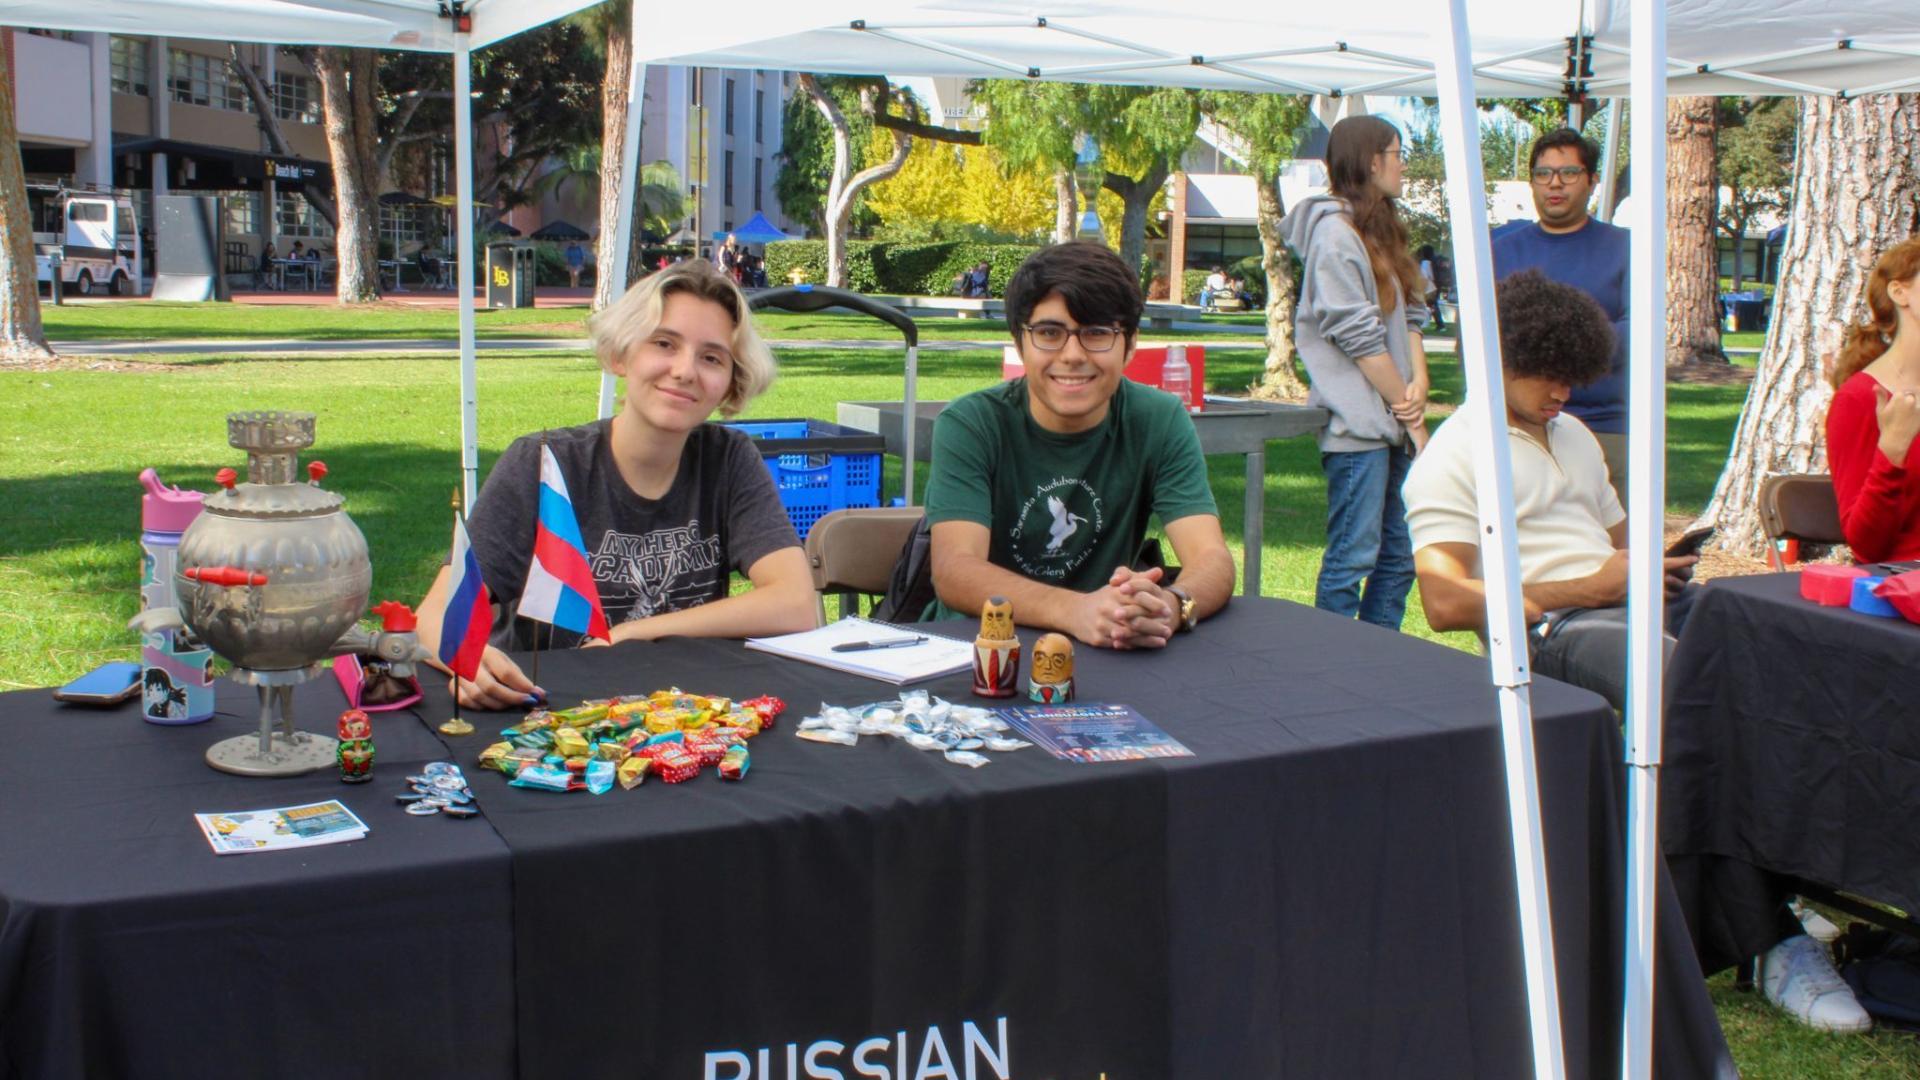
(375, 24)
(1520, 46)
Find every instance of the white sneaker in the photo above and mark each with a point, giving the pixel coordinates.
(1798, 976)
(1818, 926)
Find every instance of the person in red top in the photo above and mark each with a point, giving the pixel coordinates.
(1876, 414)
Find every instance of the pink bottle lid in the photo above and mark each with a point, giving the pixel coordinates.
(164, 508)
(1829, 586)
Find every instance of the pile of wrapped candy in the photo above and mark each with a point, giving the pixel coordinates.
(923, 722)
(670, 734)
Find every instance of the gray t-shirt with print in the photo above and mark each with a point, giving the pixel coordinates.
(648, 556)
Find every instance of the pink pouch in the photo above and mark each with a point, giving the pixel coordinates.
(1829, 586)
(353, 683)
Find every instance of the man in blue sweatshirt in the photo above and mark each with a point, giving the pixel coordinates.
(1570, 247)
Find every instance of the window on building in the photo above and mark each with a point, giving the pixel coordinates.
(726, 107)
(241, 209)
(402, 226)
(1209, 246)
(198, 79)
(131, 68)
(759, 116)
(757, 164)
(295, 98)
(728, 182)
(296, 217)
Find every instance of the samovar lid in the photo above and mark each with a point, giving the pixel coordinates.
(273, 441)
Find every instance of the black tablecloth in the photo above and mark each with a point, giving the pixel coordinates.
(1325, 889)
(127, 948)
(1791, 752)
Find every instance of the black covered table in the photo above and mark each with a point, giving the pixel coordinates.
(1791, 752)
(1326, 888)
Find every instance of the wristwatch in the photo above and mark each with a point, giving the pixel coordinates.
(1188, 619)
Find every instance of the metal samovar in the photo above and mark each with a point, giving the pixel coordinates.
(269, 576)
(273, 575)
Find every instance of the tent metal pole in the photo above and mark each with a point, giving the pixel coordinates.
(1493, 482)
(629, 191)
(1610, 160)
(1646, 483)
(463, 235)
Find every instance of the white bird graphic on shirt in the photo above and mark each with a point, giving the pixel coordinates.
(1064, 523)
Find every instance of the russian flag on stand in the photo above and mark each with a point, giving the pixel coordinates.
(560, 589)
(469, 615)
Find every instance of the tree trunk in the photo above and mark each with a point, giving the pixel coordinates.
(613, 146)
(1693, 273)
(845, 189)
(1855, 185)
(1279, 382)
(348, 87)
(1066, 206)
(21, 336)
(1135, 197)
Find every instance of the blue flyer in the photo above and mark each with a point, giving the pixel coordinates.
(1093, 732)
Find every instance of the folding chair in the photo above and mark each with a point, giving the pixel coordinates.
(853, 552)
(1798, 508)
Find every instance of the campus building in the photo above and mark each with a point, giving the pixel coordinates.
(159, 116)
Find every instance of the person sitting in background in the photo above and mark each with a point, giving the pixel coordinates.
(669, 506)
(1876, 414)
(1569, 526)
(264, 271)
(1216, 283)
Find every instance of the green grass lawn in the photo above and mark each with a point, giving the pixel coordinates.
(71, 442)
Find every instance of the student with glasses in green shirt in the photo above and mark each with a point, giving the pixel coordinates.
(1042, 488)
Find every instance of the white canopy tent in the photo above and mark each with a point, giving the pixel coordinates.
(1522, 48)
(1518, 48)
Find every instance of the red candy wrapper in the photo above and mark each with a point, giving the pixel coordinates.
(673, 764)
(767, 706)
(708, 751)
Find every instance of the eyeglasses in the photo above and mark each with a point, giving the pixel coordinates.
(1567, 174)
(1052, 337)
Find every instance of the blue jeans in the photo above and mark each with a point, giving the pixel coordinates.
(1367, 538)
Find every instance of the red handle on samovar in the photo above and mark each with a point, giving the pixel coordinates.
(223, 575)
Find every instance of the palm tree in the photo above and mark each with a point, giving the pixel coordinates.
(662, 199)
(609, 28)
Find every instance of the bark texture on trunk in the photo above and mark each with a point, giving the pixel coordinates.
(613, 146)
(270, 127)
(1279, 381)
(348, 86)
(21, 336)
(1855, 186)
(1136, 195)
(1066, 206)
(1693, 264)
(845, 188)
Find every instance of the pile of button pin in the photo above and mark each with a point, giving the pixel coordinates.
(439, 789)
(922, 721)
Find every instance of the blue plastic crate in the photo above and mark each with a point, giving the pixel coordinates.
(818, 467)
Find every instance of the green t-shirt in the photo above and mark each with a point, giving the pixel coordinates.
(1065, 510)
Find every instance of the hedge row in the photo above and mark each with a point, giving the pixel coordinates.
(906, 269)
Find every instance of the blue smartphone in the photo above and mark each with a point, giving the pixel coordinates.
(108, 684)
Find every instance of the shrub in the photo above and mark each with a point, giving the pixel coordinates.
(906, 269)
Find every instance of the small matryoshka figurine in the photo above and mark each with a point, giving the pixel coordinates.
(996, 652)
(1052, 682)
(355, 754)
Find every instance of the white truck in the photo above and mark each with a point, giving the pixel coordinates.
(90, 235)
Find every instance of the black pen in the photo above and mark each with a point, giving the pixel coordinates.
(863, 646)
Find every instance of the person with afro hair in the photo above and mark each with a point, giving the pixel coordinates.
(1570, 527)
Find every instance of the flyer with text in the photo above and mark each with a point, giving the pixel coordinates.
(1093, 732)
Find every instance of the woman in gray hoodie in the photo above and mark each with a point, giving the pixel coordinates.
(1362, 303)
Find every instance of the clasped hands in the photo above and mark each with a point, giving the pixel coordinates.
(1132, 611)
